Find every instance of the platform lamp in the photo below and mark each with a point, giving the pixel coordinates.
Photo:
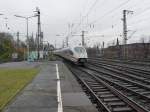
(27, 22)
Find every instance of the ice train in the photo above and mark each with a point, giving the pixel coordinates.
(77, 54)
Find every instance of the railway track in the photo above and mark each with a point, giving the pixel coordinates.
(128, 86)
(138, 76)
(125, 63)
(131, 62)
(108, 96)
(120, 66)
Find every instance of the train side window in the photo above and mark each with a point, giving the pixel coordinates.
(65, 52)
(79, 50)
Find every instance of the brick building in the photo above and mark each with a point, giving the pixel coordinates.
(132, 51)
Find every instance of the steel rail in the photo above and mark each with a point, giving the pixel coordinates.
(133, 75)
(121, 78)
(102, 107)
(120, 87)
(114, 64)
(133, 62)
(129, 81)
(130, 102)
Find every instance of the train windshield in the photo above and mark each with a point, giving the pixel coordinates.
(79, 49)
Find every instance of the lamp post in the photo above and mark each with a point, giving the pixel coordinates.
(27, 22)
(38, 30)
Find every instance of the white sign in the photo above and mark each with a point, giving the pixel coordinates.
(41, 54)
(14, 55)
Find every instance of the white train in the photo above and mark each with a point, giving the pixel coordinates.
(77, 55)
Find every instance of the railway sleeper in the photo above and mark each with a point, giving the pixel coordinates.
(128, 88)
(116, 103)
(94, 85)
(106, 95)
(133, 87)
(145, 92)
(128, 85)
(111, 99)
(97, 87)
(139, 90)
(103, 96)
(105, 92)
(100, 90)
(106, 100)
(122, 109)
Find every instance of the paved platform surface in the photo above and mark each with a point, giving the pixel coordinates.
(41, 94)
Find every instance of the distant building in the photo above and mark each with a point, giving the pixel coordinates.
(133, 51)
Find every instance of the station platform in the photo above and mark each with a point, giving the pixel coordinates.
(42, 95)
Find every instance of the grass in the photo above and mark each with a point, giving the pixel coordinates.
(12, 81)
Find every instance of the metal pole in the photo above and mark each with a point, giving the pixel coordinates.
(38, 14)
(67, 44)
(83, 44)
(17, 40)
(124, 32)
(55, 44)
(27, 39)
(103, 48)
(24, 54)
(125, 38)
(27, 19)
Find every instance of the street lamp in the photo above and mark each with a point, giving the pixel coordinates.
(27, 21)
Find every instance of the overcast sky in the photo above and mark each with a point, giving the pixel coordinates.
(104, 17)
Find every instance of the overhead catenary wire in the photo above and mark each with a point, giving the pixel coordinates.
(139, 21)
(116, 16)
(142, 12)
(122, 4)
(89, 11)
(134, 23)
(116, 10)
(111, 11)
(91, 8)
(107, 13)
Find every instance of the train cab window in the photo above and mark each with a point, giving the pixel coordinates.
(79, 49)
